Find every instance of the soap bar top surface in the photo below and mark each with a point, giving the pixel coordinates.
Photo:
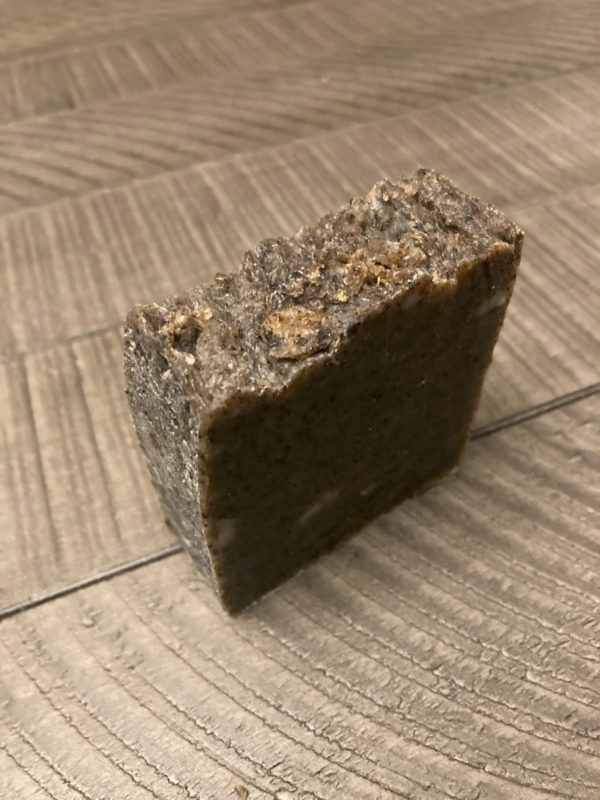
(296, 298)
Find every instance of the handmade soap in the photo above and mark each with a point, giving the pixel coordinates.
(334, 374)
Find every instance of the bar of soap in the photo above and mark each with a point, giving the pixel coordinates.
(334, 374)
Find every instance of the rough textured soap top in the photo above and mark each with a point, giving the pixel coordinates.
(295, 299)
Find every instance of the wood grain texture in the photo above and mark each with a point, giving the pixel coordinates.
(550, 342)
(110, 144)
(271, 38)
(77, 265)
(76, 496)
(30, 26)
(451, 650)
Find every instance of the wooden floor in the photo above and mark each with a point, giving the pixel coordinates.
(452, 649)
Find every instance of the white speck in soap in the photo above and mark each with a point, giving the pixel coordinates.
(410, 300)
(369, 489)
(323, 500)
(186, 539)
(496, 300)
(225, 531)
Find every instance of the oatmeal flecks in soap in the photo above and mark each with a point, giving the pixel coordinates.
(334, 374)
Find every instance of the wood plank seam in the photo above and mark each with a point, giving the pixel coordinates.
(439, 32)
(311, 139)
(143, 30)
(487, 430)
(64, 341)
(55, 539)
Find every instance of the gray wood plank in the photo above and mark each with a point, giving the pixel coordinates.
(31, 26)
(550, 342)
(75, 495)
(111, 144)
(194, 49)
(77, 265)
(450, 650)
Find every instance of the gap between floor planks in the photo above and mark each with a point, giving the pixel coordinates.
(60, 46)
(167, 552)
(198, 163)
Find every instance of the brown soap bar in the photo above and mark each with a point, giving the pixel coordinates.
(331, 376)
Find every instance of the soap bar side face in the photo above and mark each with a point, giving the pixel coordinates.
(168, 420)
(292, 473)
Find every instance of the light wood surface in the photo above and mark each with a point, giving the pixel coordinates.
(449, 650)
(78, 151)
